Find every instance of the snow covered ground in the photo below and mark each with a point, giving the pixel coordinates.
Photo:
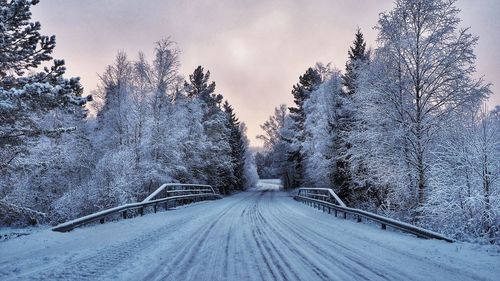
(261, 234)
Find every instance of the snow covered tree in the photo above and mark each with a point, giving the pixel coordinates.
(322, 136)
(218, 165)
(25, 93)
(284, 165)
(139, 109)
(465, 178)
(238, 146)
(358, 59)
(164, 77)
(250, 176)
(116, 175)
(115, 91)
(422, 72)
(266, 165)
(301, 91)
(358, 56)
(272, 127)
(37, 105)
(437, 62)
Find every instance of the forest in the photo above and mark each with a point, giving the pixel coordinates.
(403, 130)
(64, 155)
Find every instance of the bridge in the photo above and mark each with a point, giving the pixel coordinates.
(182, 233)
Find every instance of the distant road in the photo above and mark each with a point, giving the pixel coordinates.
(261, 234)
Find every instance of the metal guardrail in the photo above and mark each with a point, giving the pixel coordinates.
(316, 199)
(187, 193)
(323, 194)
(180, 189)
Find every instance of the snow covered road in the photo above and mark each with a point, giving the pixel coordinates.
(261, 234)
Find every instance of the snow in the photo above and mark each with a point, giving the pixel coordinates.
(329, 191)
(261, 234)
(163, 186)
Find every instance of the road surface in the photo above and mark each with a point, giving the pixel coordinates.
(261, 234)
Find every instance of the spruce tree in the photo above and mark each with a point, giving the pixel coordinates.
(237, 146)
(358, 55)
(218, 166)
(358, 58)
(307, 83)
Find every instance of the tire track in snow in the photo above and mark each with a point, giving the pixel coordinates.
(270, 255)
(93, 266)
(309, 242)
(186, 254)
(366, 259)
(255, 235)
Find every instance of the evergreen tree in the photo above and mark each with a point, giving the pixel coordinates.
(199, 87)
(25, 93)
(307, 83)
(260, 165)
(218, 166)
(358, 55)
(237, 146)
(358, 58)
(34, 103)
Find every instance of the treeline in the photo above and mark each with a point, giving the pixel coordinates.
(64, 155)
(404, 131)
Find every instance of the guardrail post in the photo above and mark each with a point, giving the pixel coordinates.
(154, 207)
(335, 213)
(383, 226)
(329, 210)
(345, 215)
(141, 211)
(359, 218)
(101, 220)
(124, 214)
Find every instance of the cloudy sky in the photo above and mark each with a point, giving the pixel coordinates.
(255, 49)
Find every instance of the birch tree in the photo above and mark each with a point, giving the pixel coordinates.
(433, 63)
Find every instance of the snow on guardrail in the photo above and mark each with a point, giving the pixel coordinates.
(308, 195)
(200, 194)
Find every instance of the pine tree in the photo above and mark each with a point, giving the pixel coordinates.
(199, 87)
(24, 92)
(34, 102)
(307, 83)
